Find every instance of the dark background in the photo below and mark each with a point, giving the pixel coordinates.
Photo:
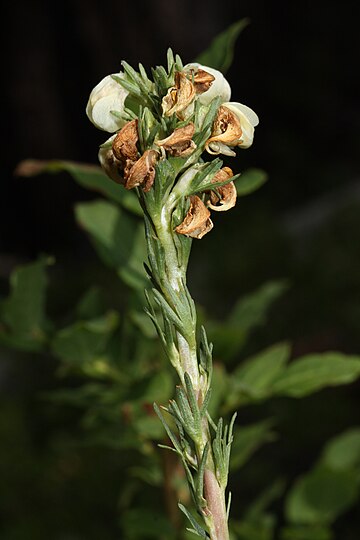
(296, 66)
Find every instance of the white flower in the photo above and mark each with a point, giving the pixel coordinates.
(248, 121)
(233, 126)
(219, 87)
(107, 96)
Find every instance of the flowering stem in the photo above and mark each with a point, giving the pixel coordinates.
(168, 270)
(181, 113)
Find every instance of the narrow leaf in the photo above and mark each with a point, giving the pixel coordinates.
(197, 528)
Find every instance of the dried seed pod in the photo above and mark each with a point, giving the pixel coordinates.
(226, 131)
(225, 196)
(179, 97)
(124, 145)
(142, 172)
(197, 221)
(179, 143)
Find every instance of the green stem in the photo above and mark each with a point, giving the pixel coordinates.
(174, 275)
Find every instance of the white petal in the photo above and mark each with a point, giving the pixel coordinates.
(107, 160)
(220, 87)
(108, 95)
(217, 147)
(102, 117)
(106, 86)
(249, 113)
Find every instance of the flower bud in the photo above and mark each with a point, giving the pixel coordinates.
(219, 87)
(107, 96)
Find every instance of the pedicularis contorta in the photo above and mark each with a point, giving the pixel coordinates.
(162, 129)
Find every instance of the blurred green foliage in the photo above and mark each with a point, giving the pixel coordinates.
(119, 370)
(69, 484)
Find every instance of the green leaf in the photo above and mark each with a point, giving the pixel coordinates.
(343, 452)
(23, 312)
(315, 371)
(321, 496)
(270, 494)
(87, 176)
(146, 523)
(306, 533)
(251, 310)
(248, 313)
(260, 529)
(117, 238)
(219, 388)
(197, 529)
(133, 272)
(254, 378)
(91, 304)
(250, 181)
(83, 344)
(221, 51)
(142, 321)
(247, 439)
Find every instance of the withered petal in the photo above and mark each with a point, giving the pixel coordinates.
(142, 172)
(197, 221)
(226, 129)
(180, 142)
(180, 96)
(225, 196)
(111, 166)
(124, 145)
(202, 81)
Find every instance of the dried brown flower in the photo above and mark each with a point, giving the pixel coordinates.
(179, 97)
(226, 130)
(197, 221)
(142, 172)
(202, 81)
(224, 197)
(111, 165)
(180, 142)
(124, 144)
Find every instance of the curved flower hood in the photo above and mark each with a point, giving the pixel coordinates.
(219, 87)
(107, 96)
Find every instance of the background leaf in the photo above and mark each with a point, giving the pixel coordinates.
(315, 371)
(87, 176)
(306, 533)
(118, 239)
(247, 439)
(253, 379)
(248, 313)
(250, 181)
(82, 345)
(221, 51)
(23, 312)
(343, 452)
(321, 496)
